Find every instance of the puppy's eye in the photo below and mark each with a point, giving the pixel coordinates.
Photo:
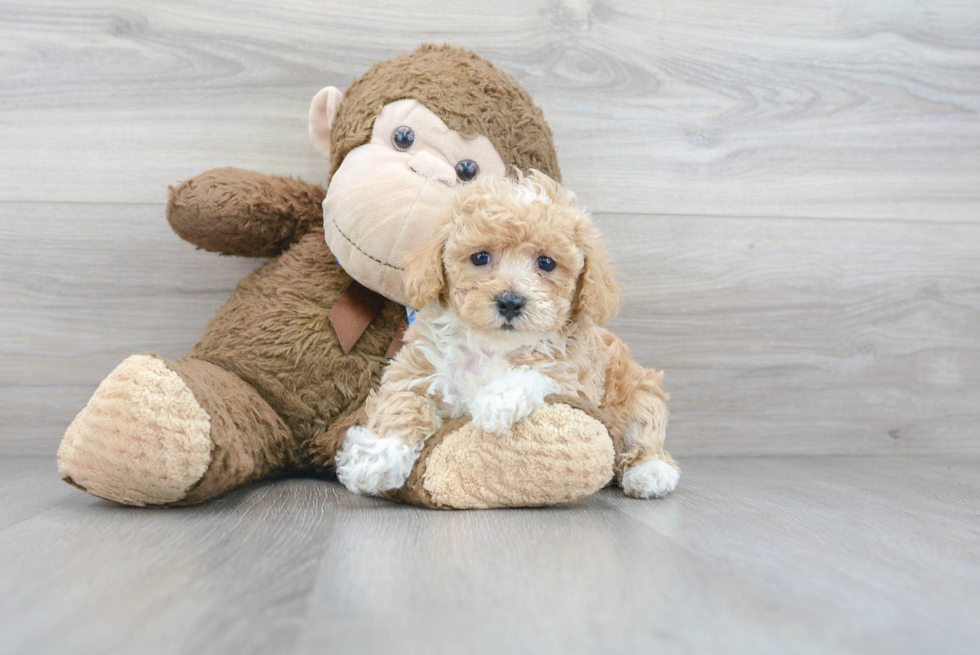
(403, 138)
(466, 170)
(546, 263)
(480, 258)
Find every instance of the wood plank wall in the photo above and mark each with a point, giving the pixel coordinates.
(791, 191)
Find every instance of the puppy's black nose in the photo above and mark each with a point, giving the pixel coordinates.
(510, 304)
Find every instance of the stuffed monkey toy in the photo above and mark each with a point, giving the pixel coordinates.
(286, 364)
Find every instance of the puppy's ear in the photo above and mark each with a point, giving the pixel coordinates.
(598, 294)
(424, 273)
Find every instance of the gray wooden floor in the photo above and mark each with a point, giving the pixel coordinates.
(761, 555)
(791, 193)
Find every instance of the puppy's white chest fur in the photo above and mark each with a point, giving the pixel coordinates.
(461, 373)
(474, 375)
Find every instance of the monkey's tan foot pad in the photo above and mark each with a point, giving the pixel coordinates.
(558, 454)
(142, 439)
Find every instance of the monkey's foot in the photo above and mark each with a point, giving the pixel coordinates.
(142, 439)
(559, 453)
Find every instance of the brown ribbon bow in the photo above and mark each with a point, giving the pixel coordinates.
(353, 313)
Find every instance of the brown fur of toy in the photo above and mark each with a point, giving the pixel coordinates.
(238, 212)
(469, 94)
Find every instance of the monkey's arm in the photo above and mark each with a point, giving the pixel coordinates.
(238, 212)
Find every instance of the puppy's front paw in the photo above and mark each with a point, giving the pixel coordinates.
(509, 399)
(652, 478)
(371, 465)
(499, 412)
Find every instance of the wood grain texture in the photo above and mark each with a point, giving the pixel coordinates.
(765, 555)
(806, 336)
(853, 110)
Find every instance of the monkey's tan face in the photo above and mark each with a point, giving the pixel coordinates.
(391, 193)
(512, 266)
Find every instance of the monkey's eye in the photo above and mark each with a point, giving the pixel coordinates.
(403, 138)
(546, 264)
(466, 170)
(480, 258)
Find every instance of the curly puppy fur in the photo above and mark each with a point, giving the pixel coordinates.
(475, 350)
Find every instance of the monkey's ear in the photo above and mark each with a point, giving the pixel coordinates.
(323, 111)
(598, 291)
(424, 273)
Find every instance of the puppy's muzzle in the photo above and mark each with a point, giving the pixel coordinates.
(510, 305)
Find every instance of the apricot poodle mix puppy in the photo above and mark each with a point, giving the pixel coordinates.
(512, 291)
